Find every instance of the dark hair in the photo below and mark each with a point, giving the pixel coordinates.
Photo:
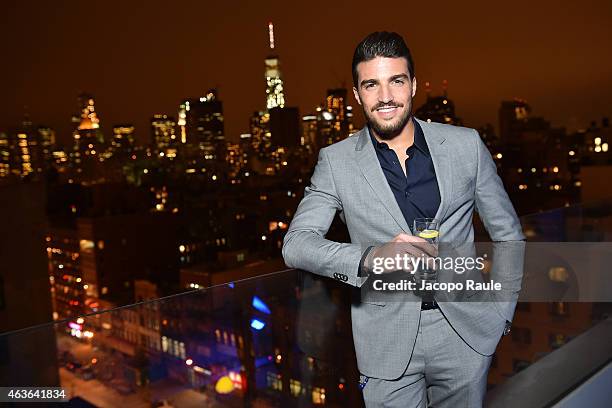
(381, 44)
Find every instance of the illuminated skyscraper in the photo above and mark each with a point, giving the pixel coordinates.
(204, 120)
(275, 96)
(261, 134)
(335, 103)
(88, 116)
(235, 159)
(325, 127)
(515, 118)
(123, 139)
(24, 150)
(23, 154)
(260, 131)
(332, 121)
(309, 131)
(534, 156)
(88, 140)
(163, 131)
(182, 120)
(46, 141)
(88, 130)
(438, 108)
(5, 155)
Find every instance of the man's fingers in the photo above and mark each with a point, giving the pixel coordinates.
(402, 243)
(424, 247)
(403, 237)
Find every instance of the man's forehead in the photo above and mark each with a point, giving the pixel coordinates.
(382, 67)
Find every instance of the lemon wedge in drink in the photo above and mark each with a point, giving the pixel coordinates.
(428, 234)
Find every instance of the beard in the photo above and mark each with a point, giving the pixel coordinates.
(386, 130)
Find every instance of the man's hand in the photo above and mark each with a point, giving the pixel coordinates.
(400, 249)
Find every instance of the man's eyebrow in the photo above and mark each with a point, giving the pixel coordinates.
(399, 76)
(368, 81)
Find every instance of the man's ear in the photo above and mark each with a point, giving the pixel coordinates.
(414, 86)
(356, 95)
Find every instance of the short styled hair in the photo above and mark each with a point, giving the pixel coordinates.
(381, 44)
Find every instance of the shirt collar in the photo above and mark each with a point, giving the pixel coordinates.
(419, 139)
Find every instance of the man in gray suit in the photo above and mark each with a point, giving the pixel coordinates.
(396, 169)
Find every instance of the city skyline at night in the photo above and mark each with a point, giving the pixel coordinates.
(135, 71)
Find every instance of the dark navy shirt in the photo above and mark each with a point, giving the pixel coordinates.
(416, 192)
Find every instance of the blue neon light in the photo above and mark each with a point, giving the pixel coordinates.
(257, 324)
(260, 305)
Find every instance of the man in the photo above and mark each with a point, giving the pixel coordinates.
(380, 179)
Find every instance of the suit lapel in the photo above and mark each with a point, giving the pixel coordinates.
(370, 167)
(441, 162)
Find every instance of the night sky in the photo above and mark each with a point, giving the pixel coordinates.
(141, 58)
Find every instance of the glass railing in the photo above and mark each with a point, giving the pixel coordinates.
(539, 355)
(278, 339)
(579, 374)
(587, 222)
(282, 339)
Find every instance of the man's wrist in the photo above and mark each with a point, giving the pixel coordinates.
(363, 272)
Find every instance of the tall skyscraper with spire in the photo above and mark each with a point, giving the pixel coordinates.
(275, 93)
(276, 126)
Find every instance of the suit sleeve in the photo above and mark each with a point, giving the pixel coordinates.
(501, 222)
(492, 203)
(305, 246)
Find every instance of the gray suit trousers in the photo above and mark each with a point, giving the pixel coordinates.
(443, 371)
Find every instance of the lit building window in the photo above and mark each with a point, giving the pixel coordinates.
(86, 245)
(558, 274)
(274, 381)
(164, 343)
(557, 340)
(295, 387)
(318, 395)
(181, 350)
(559, 309)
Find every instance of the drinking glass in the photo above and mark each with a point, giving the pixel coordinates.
(429, 230)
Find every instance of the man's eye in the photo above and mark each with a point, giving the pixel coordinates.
(399, 81)
(368, 86)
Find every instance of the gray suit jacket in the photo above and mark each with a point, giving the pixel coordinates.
(348, 179)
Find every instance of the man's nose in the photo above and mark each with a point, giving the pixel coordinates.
(384, 94)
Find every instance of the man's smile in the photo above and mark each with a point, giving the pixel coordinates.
(387, 111)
